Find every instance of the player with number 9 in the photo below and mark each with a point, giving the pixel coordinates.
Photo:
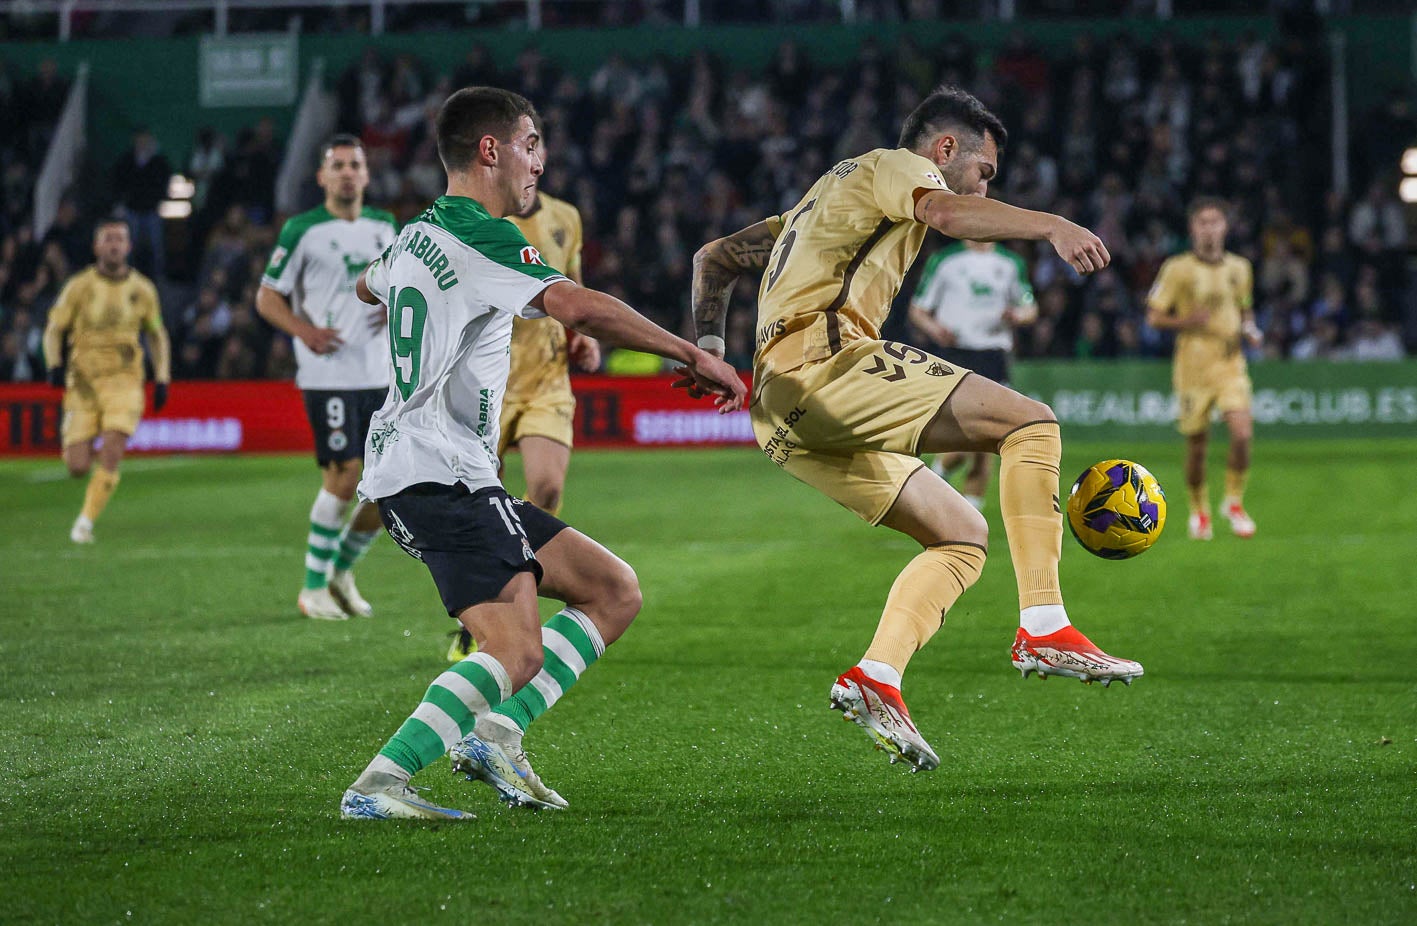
(343, 367)
(454, 281)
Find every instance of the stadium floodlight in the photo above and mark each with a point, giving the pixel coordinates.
(180, 187)
(1407, 190)
(1409, 162)
(174, 208)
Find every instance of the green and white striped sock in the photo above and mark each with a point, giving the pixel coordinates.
(352, 547)
(449, 711)
(326, 518)
(570, 643)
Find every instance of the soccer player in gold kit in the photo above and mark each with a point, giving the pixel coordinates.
(99, 316)
(849, 414)
(1206, 297)
(539, 409)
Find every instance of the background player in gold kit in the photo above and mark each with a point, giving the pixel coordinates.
(1206, 297)
(849, 414)
(99, 315)
(538, 412)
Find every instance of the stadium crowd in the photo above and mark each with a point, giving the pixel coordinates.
(665, 154)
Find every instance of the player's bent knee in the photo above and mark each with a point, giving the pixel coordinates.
(524, 662)
(970, 527)
(622, 600)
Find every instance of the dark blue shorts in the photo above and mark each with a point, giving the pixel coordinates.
(473, 543)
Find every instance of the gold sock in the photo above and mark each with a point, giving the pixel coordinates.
(101, 486)
(922, 593)
(1033, 519)
(1199, 498)
(1235, 480)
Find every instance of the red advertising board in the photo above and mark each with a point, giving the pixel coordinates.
(269, 417)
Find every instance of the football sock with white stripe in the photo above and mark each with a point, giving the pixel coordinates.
(570, 643)
(326, 518)
(449, 711)
(353, 545)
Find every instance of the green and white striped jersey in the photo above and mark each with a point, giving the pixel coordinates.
(967, 291)
(317, 258)
(452, 282)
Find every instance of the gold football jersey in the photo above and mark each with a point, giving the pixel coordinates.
(840, 258)
(539, 344)
(103, 317)
(1225, 289)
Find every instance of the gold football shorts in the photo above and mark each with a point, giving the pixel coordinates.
(1199, 391)
(113, 403)
(849, 426)
(550, 413)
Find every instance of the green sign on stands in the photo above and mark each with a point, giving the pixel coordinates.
(1340, 400)
(248, 70)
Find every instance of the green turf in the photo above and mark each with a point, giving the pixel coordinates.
(175, 737)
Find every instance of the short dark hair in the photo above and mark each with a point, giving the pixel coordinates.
(108, 220)
(340, 140)
(473, 113)
(950, 107)
(1204, 202)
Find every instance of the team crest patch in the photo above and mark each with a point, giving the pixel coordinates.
(531, 255)
(938, 369)
(558, 235)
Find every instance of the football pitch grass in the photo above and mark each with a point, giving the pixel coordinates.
(176, 737)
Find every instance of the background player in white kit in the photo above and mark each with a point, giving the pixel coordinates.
(343, 363)
(970, 298)
(453, 282)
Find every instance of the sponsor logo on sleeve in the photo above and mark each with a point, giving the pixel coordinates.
(531, 255)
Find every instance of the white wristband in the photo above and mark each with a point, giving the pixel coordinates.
(712, 342)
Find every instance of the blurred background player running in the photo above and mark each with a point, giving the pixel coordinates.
(971, 297)
(343, 363)
(1206, 296)
(99, 316)
(538, 413)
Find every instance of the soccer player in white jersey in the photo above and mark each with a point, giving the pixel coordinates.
(343, 363)
(453, 281)
(971, 297)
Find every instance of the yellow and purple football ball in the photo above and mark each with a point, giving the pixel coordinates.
(1116, 509)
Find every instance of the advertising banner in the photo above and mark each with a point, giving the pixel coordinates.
(1093, 400)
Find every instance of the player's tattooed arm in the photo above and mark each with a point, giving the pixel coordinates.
(717, 266)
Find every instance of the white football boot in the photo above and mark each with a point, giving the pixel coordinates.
(346, 594)
(319, 604)
(495, 756)
(82, 531)
(384, 797)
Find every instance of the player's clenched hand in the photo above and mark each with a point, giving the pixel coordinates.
(1083, 250)
(583, 350)
(322, 340)
(159, 396)
(708, 374)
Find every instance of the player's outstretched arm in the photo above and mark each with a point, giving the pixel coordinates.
(717, 266)
(606, 318)
(276, 310)
(978, 219)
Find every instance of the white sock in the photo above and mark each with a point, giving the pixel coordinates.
(976, 500)
(880, 672)
(1043, 619)
(383, 766)
(329, 510)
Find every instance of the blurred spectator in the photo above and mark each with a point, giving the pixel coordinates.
(140, 181)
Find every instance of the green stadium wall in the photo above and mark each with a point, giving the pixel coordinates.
(154, 82)
(1132, 400)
